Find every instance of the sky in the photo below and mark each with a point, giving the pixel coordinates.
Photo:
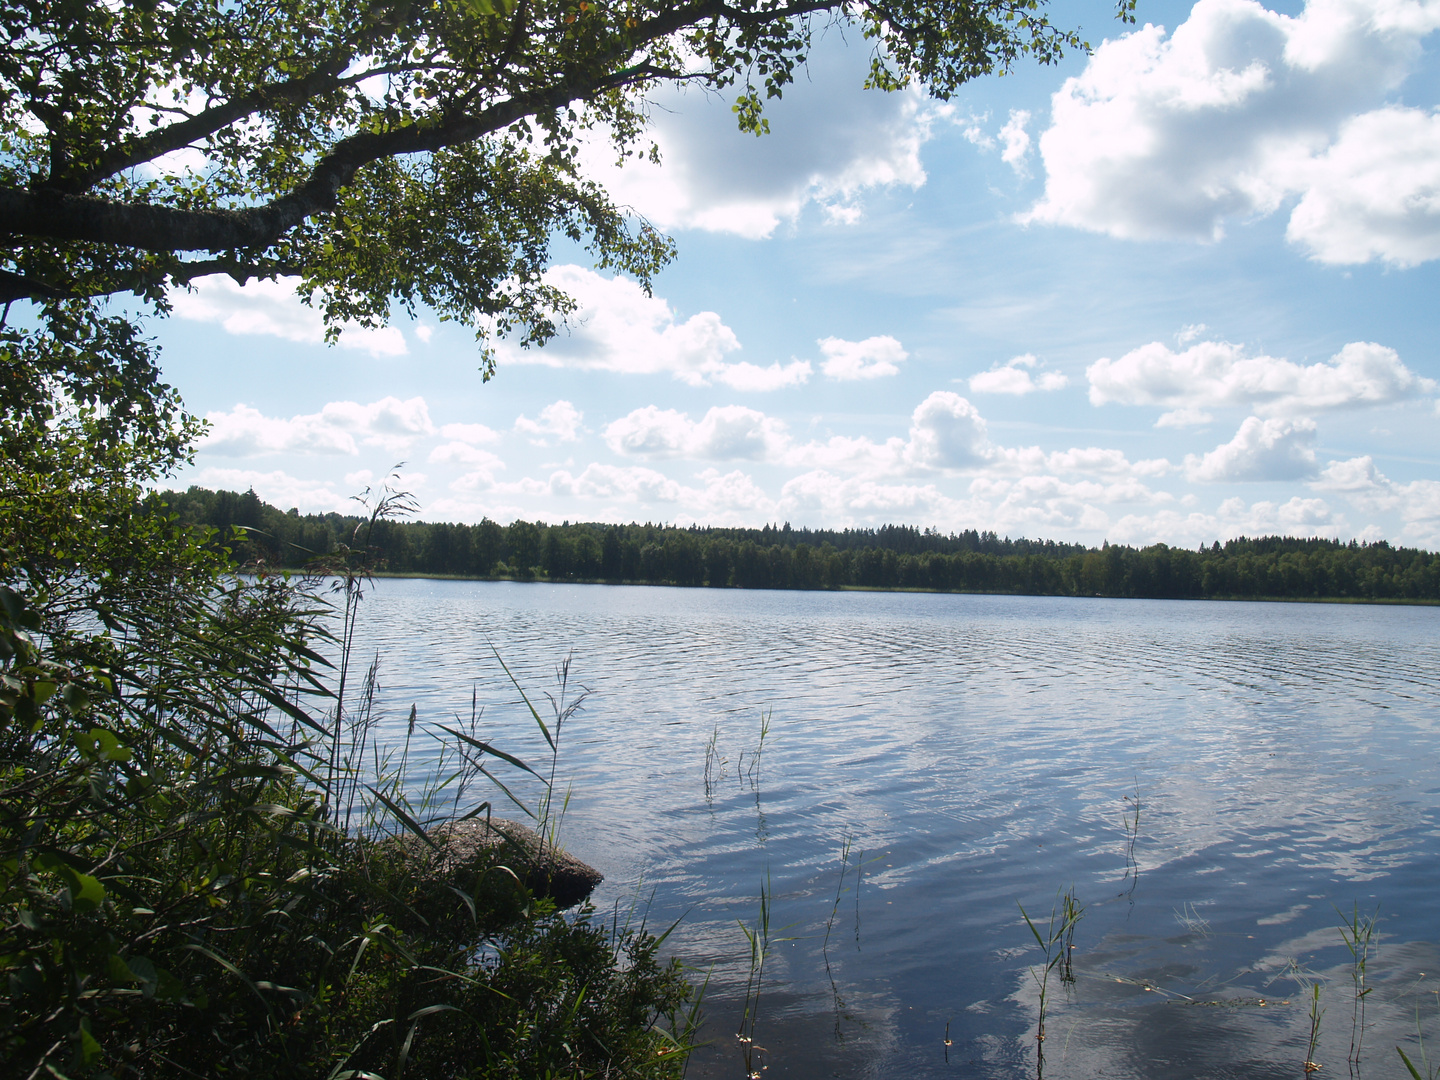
(1179, 290)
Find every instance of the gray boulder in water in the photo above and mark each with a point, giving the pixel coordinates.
(545, 870)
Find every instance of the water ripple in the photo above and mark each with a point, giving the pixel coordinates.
(979, 751)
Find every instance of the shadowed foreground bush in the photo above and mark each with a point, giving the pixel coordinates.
(177, 900)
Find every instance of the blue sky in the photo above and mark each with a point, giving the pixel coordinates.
(1180, 290)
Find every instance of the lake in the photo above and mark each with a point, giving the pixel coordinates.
(1213, 780)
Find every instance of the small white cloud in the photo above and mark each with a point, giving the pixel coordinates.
(629, 484)
(751, 378)
(389, 423)
(1274, 449)
(466, 456)
(1016, 141)
(1097, 461)
(972, 128)
(1296, 517)
(1012, 377)
(1357, 476)
(947, 432)
(619, 328)
(1371, 491)
(853, 455)
(424, 331)
(273, 308)
(1217, 373)
(727, 432)
(1189, 332)
(873, 358)
(246, 432)
(558, 420)
(731, 497)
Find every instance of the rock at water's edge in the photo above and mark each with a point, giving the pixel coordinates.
(544, 870)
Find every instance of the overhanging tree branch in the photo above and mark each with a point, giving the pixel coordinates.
(62, 216)
(292, 133)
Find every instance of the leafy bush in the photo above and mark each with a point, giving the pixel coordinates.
(177, 900)
(186, 886)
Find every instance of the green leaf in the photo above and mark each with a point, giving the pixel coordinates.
(486, 748)
(86, 892)
(101, 745)
(405, 819)
(520, 690)
(1409, 1064)
(90, 1050)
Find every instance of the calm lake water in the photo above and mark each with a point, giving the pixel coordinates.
(977, 753)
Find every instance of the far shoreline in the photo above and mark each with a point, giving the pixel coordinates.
(1384, 601)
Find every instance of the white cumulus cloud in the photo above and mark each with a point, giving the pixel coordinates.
(1242, 109)
(1016, 140)
(1360, 482)
(947, 432)
(618, 328)
(1217, 373)
(273, 308)
(1013, 377)
(726, 432)
(278, 488)
(832, 142)
(470, 433)
(338, 428)
(1298, 516)
(466, 456)
(628, 484)
(1274, 449)
(559, 420)
(872, 358)
(1375, 193)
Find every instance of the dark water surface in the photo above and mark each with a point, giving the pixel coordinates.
(976, 752)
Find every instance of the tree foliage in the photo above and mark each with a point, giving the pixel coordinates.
(890, 557)
(400, 151)
(180, 892)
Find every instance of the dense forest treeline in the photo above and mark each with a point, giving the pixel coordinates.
(891, 557)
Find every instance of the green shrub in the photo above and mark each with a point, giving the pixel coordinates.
(197, 876)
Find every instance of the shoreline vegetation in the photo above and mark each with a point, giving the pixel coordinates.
(889, 559)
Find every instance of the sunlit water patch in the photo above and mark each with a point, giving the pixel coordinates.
(1213, 780)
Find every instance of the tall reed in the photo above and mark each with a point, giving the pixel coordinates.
(1056, 943)
(1130, 819)
(1358, 933)
(758, 939)
(829, 927)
